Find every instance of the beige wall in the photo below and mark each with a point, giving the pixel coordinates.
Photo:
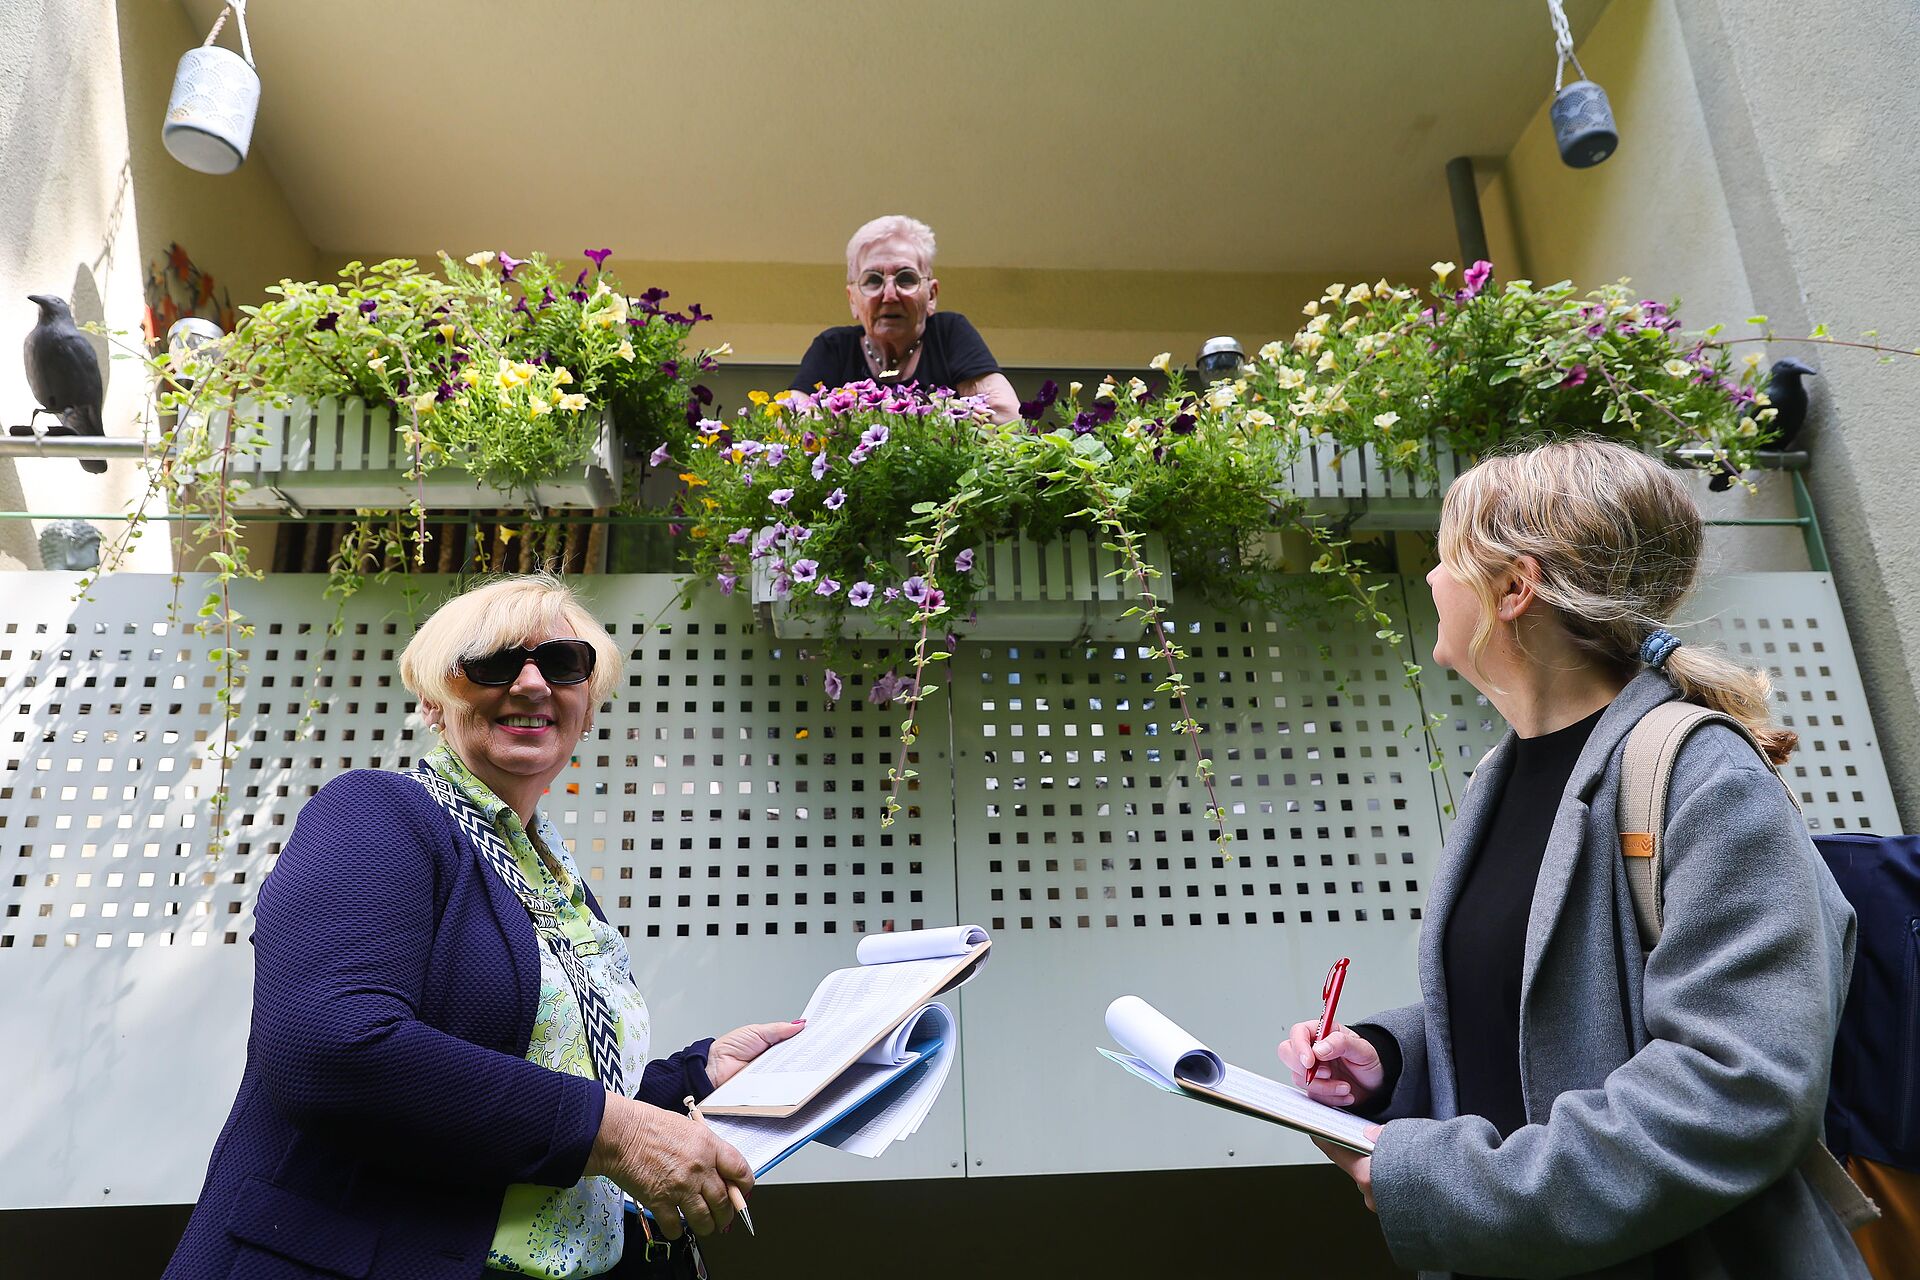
(770, 311)
(88, 198)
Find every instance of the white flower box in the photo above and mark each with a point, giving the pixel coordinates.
(1038, 591)
(1380, 497)
(343, 454)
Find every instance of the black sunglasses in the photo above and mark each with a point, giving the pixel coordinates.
(560, 662)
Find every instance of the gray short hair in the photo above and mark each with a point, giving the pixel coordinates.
(912, 230)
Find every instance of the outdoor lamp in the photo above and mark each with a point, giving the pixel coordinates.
(1582, 117)
(216, 93)
(1220, 357)
(186, 339)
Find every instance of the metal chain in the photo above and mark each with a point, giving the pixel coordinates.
(1562, 44)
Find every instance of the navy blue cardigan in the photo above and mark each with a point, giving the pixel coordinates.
(387, 1102)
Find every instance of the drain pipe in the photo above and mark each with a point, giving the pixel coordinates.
(1467, 223)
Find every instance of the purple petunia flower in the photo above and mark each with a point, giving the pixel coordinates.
(935, 597)
(1182, 424)
(782, 587)
(670, 369)
(444, 392)
(1032, 410)
(874, 436)
(915, 589)
(1576, 377)
(826, 587)
(860, 594)
(327, 323)
(820, 466)
(599, 257)
(890, 594)
(858, 456)
(370, 309)
(658, 456)
(780, 497)
(739, 536)
(695, 315)
(776, 454)
(1476, 279)
(836, 500)
(710, 426)
(800, 534)
(832, 685)
(805, 570)
(546, 297)
(509, 265)
(727, 581)
(964, 561)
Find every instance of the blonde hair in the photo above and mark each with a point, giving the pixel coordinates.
(498, 615)
(912, 230)
(1617, 538)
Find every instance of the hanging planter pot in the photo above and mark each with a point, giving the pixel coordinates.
(216, 93)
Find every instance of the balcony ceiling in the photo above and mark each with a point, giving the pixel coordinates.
(1266, 135)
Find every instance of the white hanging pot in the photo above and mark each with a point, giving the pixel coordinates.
(216, 93)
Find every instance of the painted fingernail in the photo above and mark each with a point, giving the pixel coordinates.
(799, 1022)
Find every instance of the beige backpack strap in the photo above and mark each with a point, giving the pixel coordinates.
(1646, 773)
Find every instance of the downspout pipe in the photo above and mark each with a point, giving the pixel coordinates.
(1467, 223)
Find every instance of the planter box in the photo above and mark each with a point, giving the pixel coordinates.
(1041, 591)
(344, 454)
(1379, 496)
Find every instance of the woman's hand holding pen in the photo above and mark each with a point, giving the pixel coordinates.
(668, 1163)
(1340, 1068)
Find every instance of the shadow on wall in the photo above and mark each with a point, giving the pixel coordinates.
(89, 307)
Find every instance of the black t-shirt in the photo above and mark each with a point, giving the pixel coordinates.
(951, 352)
(1486, 939)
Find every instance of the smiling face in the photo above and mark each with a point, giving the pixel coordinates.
(890, 317)
(517, 735)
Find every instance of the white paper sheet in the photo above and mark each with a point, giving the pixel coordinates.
(872, 1129)
(919, 944)
(1175, 1053)
(762, 1141)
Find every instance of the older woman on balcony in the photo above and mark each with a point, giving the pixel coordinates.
(445, 1072)
(902, 336)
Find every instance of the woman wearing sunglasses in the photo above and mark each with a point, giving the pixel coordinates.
(901, 336)
(447, 1073)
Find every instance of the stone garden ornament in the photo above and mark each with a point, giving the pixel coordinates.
(216, 93)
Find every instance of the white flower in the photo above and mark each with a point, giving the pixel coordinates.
(1350, 324)
(1359, 293)
(1163, 362)
(1333, 293)
(1272, 352)
(723, 350)
(1073, 389)
(378, 364)
(1221, 396)
(1287, 377)
(575, 403)
(1442, 270)
(1326, 362)
(626, 351)
(1137, 387)
(1385, 420)
(1106, 389)
(424, 402)
(1311, 309)
(1678, 369)
(1257, 418)
(480, 259)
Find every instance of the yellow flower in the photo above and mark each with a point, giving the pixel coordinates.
(1405, 450)
(1753, 360)
(626, 351)
(1748, 426)
(446, 332)
(1359, 293)
(561, 377)
(425, 402)
(1678, 369)
(480, 259)
(1385, 420)
(470, 375)
(759, 397)
(1382, 289)
(1442, 270)
(691, 480)
(539, 406)
(711, 504)
(378, 364)
(1163, 362)
(1326, 362)
(575, 403)
(1272, 352)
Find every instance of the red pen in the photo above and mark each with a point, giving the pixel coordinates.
(1330, 997)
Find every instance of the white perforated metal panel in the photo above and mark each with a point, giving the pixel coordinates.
(729, 822)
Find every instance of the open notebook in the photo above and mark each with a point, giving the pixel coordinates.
(1172, 1060)
(866, 1016)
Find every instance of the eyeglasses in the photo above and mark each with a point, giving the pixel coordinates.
(559, 661)
(906, 282)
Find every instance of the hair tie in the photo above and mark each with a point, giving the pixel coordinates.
(1658, 647)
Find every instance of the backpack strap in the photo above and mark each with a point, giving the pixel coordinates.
(1646, 774)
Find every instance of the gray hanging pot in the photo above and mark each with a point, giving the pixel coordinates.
(1583, 124)
(216, 93)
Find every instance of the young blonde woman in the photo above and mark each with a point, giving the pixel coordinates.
(1562, 1102)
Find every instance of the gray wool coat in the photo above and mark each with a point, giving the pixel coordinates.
(1666, 1104)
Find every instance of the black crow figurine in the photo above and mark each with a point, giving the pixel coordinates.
(64, 375)
(1789, 395)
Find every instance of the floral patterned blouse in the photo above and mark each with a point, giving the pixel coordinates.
(577, 1231)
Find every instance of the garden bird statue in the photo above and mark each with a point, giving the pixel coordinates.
(64, 375)
(1789, 395)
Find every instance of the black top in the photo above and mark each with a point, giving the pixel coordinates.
(1486, 936)
(951, 352)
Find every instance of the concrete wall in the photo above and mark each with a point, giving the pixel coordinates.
(88, 199)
